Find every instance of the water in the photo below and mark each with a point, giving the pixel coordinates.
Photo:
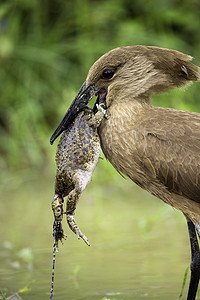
(139, 246)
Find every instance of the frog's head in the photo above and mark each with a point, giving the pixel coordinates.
(84, 95)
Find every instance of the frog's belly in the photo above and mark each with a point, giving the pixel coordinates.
(84, 175)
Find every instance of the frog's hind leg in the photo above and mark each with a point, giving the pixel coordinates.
(72, 201)
(57, 207)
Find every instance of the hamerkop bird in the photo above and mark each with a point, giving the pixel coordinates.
(158, 148)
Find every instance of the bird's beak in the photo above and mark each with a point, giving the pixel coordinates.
(84, 95)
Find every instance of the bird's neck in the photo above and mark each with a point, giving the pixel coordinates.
(121, 119)
(127, 95)
(123, 105)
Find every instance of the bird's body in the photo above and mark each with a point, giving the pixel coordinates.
(157, 148)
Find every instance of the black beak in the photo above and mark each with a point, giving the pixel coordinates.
(84, 95)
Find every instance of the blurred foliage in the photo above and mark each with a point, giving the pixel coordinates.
(47, 47)
(184, 282)
(21, 258)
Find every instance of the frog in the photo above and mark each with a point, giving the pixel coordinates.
(77, 155)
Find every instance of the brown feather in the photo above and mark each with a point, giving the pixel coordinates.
(156, 151)
(158, 148)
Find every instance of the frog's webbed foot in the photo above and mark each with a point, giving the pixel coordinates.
(102, 110)
(95, 121)
(58, 233)
(57, 207)
(74, 227)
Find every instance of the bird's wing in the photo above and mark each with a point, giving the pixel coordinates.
(171, 144)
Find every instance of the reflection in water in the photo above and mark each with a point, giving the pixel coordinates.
(137, 244)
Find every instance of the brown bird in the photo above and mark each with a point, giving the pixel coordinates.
(158, 148)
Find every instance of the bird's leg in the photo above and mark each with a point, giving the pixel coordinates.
(72, 200)
(197, 226)
(195, 263)
(57, 207)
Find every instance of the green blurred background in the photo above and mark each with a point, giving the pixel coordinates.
(46, 50)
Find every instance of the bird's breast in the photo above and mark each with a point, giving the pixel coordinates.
(119, 135)
(138, 144)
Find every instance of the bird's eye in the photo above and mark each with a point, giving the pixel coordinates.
(107, 74)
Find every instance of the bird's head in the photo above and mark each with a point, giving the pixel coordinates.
(131, 73)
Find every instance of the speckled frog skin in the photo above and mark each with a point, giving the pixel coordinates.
(77, 155)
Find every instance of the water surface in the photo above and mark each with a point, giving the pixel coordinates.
(139, 246)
